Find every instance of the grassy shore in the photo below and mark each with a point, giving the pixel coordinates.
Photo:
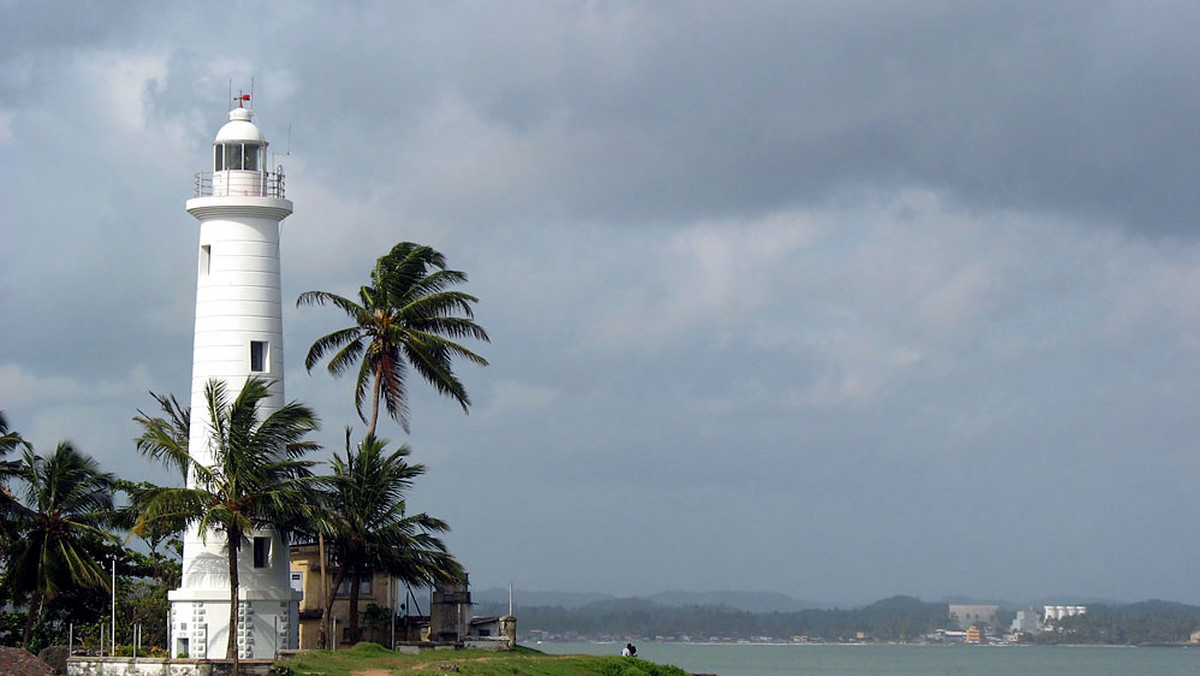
(369, 659)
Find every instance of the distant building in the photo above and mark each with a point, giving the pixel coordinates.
(1028, 621)
(1056, 613)
(962, 617)
(974, 635)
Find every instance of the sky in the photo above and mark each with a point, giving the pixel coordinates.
(836, 299)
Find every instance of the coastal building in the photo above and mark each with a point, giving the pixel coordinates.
(238, 334)
(1056, 613)
(450, 620)
(962, 616)
(1027, 621)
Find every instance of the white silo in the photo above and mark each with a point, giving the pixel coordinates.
(238, 333)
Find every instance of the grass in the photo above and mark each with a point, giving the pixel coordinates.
(375, 660)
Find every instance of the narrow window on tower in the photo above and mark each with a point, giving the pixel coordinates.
(258, 356)
(262, 552)
(205, 258)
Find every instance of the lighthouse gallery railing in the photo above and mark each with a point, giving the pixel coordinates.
(242, 183)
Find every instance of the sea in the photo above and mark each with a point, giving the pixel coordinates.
(902, 660)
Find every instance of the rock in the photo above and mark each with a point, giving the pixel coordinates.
(56, 657)
(19, 662)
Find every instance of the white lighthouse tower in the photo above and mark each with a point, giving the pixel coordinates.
(238, 334)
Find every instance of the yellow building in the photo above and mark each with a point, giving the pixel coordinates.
(374, 590)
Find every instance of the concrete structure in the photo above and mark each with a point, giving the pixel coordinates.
(450, 613)
(962, 617)
(238, 334)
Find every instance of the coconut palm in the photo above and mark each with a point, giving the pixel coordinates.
(165, 437)
(10, 441)
(407, 318)
(369, 530)
(258, 478)
(64, 507)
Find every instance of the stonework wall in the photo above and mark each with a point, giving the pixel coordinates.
(144, 666)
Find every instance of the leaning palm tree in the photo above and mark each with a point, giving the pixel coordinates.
(408, 317)
(258, 478)
(367, 529)
(65, 507)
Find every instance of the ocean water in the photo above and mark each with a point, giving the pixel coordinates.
(903, 660)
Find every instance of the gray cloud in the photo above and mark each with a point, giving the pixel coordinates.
(782, 296)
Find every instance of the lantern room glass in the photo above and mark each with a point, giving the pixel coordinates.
(237, 156)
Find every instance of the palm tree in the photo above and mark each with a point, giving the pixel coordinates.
(9, 441)
(165, 438)
(408, 317)
(369, 529)
(258, 477)
(65, 509)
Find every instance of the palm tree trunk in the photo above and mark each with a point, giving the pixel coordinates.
(337, 582)
(322, 641)
(231, 651)
(375, 402)
(354, 587)
(34, 612)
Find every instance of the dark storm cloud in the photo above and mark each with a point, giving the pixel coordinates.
(671, 111)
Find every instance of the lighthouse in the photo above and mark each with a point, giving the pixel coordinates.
(238, 334)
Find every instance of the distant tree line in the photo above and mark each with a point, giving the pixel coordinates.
(900, 618)
(894, 619)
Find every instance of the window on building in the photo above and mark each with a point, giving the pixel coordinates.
(205, 258)
(258, 356)
(364, 585)
(262, 552)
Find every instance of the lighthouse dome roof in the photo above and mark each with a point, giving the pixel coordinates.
(240, 128)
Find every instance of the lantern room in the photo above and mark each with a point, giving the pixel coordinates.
(240, 165)
(239, 145)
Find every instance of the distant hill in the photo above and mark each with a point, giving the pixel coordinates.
(1064, 600)
(752, 602)
(497, 595)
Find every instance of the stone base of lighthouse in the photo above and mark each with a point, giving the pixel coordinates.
(268, 608)
(200, 626)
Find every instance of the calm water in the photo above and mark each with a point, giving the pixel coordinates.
(904, 660)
